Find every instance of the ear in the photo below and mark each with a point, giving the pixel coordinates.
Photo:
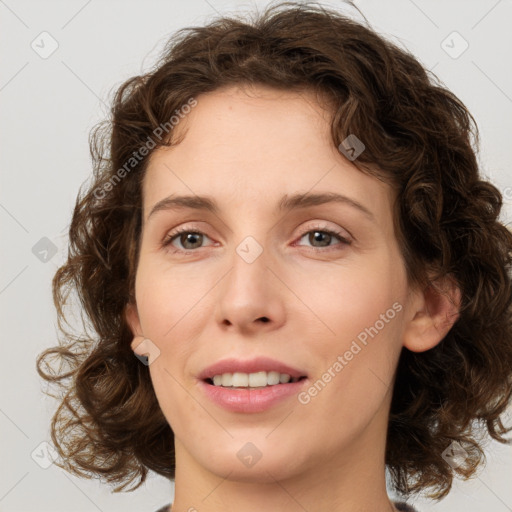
(436, 309)
(132, 318)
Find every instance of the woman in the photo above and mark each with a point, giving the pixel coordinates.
(288, 228)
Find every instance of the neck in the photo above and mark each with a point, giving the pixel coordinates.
(352, 481)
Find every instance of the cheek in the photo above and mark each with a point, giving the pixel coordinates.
(169, 306)
(169, 298)
(361, 308)
(346, 300)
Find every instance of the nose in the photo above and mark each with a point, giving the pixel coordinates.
(251, 297)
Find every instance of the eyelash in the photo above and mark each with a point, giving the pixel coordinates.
(174, 234)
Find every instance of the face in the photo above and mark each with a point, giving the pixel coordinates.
(267, 279)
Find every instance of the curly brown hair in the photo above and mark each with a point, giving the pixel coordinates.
(419, 138)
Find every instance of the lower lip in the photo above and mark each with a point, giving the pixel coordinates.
(250, 399)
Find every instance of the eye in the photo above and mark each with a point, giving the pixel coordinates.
(189, 239)
(320, 237)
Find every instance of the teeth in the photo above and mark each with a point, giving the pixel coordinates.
(284, 378)
(252, 380)
(240, 380)
(227, 379)
(256, 380)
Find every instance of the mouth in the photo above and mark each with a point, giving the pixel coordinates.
(251, 386)
(260, 372)
(255, 380)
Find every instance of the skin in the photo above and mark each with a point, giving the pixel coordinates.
(246, 149)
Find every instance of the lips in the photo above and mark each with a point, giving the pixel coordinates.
(259, 364)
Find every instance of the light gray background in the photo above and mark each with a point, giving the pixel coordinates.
(48, 107)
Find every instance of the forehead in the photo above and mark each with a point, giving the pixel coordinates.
(237, 125)
(251, 147)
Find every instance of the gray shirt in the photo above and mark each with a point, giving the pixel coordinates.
(403, 507)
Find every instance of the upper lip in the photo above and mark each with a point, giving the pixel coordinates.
(259, 364)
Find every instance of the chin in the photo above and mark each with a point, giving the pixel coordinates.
(263, 471)
(258, 461)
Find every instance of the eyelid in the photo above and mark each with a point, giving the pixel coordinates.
(324, 226)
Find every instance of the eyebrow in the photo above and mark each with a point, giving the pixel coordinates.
(286, 203)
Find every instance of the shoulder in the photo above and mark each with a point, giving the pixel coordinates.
(403, 507)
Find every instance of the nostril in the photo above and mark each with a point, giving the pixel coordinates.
(264, 319)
